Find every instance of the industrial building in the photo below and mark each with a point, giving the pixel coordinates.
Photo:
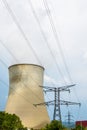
(25, 91)
(82, 123)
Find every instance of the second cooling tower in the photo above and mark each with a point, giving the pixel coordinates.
(24, 91)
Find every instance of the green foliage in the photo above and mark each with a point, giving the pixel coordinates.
(54, 125)
(10, 122)
(79, 127)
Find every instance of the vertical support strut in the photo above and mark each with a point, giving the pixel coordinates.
(54, 104)
(59, 105)
(57, 111)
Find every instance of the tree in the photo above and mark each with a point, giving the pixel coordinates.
(54, 125)
(79, 127)
(10, 122)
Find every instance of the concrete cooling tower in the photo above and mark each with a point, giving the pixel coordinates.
(24, 91)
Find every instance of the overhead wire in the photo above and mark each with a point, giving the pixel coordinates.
(57, 40)
(56, 37)
(20, 28)
(20, 95)
(26, 85)
(3, 63)
(8, 50)
(44, 37)
(34, 94)
(16, 91)
(14, 18)
(55, 34)
(18, 25)
(16, 59)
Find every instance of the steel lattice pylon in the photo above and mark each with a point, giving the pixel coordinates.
(57, 102)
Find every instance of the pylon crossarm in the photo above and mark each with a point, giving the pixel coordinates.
(49, 90)
(65, 90)
(60, 88)
(46, 87)
(62, 102)
(44, 103)
(65, 87)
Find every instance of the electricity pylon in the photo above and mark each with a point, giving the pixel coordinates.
(57, 102)
(69, 118)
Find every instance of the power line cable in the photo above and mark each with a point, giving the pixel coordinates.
(26, 85)
(56, 36)
(57, 39)
(18, 25)
(19, 94)
(8, 50)
(20, 28)
(13, 57)
(16, 92)
(3, 63)
(34, 94)
(43, 34)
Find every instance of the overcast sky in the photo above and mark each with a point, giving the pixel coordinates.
(26, 36)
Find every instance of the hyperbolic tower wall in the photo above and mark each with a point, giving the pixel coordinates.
(24, 91)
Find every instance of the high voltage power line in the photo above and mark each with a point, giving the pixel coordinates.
(26, 85)
(56, 36)
(57, 101)
(16, 92)
(34, 94)
(13, 57)
(57, 40)
(22, 32)
(8, 50)
(26, 39)
(20, 28)
(3, 63)
(18, 25)
(23, 83)
(44, 36)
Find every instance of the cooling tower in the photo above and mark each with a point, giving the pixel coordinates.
(24, 91)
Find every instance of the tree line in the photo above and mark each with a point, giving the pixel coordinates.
(13, 122)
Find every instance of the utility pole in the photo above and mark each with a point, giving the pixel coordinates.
(57, 102)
